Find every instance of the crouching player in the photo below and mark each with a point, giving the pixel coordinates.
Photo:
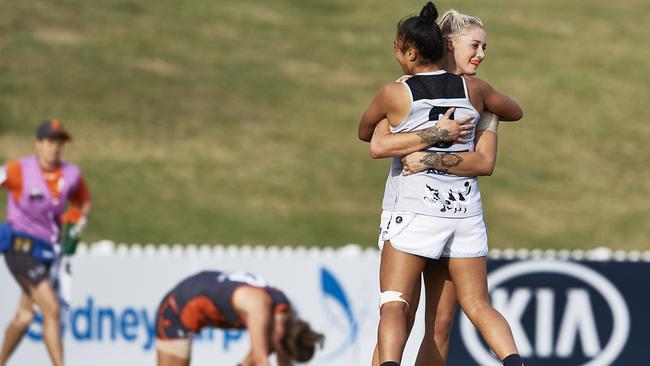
(232, 300)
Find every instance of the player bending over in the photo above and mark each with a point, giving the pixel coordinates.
(232, 300)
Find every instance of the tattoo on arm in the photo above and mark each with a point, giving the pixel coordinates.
(441, 161)
(433, 135)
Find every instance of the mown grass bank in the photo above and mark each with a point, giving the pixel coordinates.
(235, 121)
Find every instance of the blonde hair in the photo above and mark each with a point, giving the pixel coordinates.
(453, 23)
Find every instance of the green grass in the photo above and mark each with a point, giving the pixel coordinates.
(235, 121)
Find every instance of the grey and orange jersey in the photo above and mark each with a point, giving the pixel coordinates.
(205, 299)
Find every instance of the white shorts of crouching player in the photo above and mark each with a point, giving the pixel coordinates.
(434, 237)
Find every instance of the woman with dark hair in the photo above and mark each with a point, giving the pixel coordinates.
(232, 300)
(434, 211)
(466, 42)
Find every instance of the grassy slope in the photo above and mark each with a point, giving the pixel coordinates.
(229, 121)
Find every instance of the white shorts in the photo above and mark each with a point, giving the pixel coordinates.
(434, 237)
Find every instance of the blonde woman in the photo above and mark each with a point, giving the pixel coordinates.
(434, 213)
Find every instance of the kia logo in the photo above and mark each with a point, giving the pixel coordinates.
(541, 339)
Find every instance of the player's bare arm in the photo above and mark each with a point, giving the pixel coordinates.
(384, 143)
(480, 162)
(494, 101)
(391, 102)
(256, 312)
(279, 332)
(85, 208)
(441, 162)
(433, 135)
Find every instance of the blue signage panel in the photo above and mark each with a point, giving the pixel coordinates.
(565, 313)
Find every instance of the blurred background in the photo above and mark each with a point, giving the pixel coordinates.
(235, 121)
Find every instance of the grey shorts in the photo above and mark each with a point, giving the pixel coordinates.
(26, 269)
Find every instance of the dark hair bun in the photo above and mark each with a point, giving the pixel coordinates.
(429, 12)
(422, 32)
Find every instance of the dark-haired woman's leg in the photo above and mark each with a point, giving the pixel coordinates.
(399, 275)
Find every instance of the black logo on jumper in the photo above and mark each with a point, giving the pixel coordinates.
(455, 200)
(398, 219)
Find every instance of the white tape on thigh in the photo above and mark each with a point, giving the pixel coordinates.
(391, 296)
(489, 121)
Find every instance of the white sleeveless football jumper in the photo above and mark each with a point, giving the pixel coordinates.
(434, 213)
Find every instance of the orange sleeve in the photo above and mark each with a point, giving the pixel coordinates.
(14, 182)
(81, 195)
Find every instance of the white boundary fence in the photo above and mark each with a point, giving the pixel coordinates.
(107, 247)
(116, 289)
